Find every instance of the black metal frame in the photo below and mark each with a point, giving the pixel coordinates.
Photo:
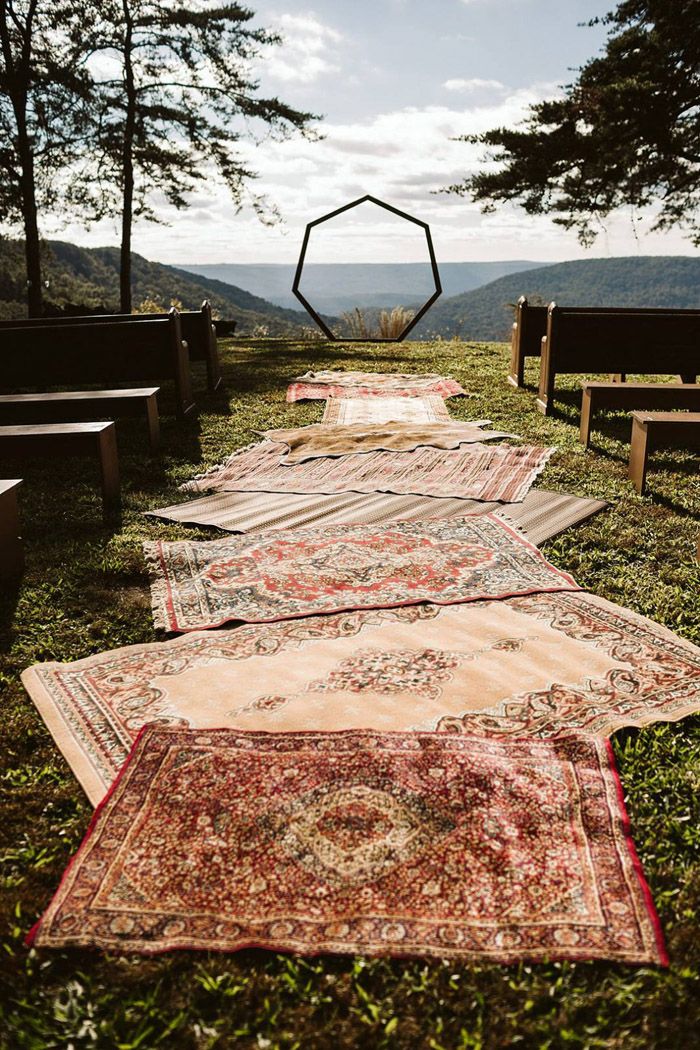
(433, 264)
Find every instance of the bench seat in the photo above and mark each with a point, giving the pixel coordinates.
(11, 549)
(596, 396)
(80, 405)
(30, 441)
(651, 430)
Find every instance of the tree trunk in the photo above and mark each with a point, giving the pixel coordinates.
(127, 165)
(31, 234)
(18, 75)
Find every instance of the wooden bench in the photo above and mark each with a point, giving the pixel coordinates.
(651, 430)
(634, 395)
(11, 549)
(79, 405)
(124, 351)
(196, 326)
(530, 328)
(630, 341)
(68, 439)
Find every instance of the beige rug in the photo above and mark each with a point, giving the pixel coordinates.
(483, 472)
(540, 516)
(544, 665)
(320, 440)
(348, 410)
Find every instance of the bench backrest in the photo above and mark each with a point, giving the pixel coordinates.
(623, 340)
(195, 325)
(529, 327)
(122, 351)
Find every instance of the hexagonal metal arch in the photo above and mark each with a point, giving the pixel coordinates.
(433, 265)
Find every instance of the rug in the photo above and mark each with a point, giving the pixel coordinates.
(352, 384)
(540, 516)
(377, 380)
(320, 440)
(544, 666)
(349, 410)
(302, 572)
(362, 843)
(322, 391)
(483, 472)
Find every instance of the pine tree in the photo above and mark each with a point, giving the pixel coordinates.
(173, 98)
(625, 133)
(42, 118)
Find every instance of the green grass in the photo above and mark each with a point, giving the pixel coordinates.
(85, 590)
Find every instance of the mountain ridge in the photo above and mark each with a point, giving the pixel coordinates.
(643, 281)
(89, 277)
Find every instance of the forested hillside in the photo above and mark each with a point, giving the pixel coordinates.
(486, 312)
(89, 277)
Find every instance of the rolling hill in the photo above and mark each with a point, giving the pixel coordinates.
(486, 313)
(89, 277)
(336, 287)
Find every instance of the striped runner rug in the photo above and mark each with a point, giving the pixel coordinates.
(541, 515)
(483, 472)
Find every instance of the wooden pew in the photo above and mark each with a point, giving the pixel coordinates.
(68, 439)
(635, 341)
(652, 430)
(81, 405)
(120, 351)
(529, 328)
(197, 329)
(634, 395)
(11, 549)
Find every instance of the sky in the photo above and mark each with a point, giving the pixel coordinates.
(394, 82)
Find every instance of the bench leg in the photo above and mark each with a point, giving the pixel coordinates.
(687, 378)
(109, 467)
(618, 377)
(153, 422)
(585, 428)
(516, 376)
(639, 453)
(11, 548)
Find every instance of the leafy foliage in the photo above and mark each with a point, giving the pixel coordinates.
(85, 590)
(626, 132)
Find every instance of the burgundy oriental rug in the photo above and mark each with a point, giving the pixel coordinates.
(283, 575)
(359, 842)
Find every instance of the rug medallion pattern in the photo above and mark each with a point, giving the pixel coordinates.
(281, 575)
(381, 844)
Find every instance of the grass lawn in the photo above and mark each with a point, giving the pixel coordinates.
(85, 591)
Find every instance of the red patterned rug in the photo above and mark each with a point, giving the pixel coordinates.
(283, 575)
(330, 383)
(483, 472)
(381, 844)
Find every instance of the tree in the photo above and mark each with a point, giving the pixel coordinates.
(625, 133)
(41, 113)
(174, 96)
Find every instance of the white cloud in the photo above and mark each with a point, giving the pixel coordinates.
(400, 156)
(308, 51)
(473, 84)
